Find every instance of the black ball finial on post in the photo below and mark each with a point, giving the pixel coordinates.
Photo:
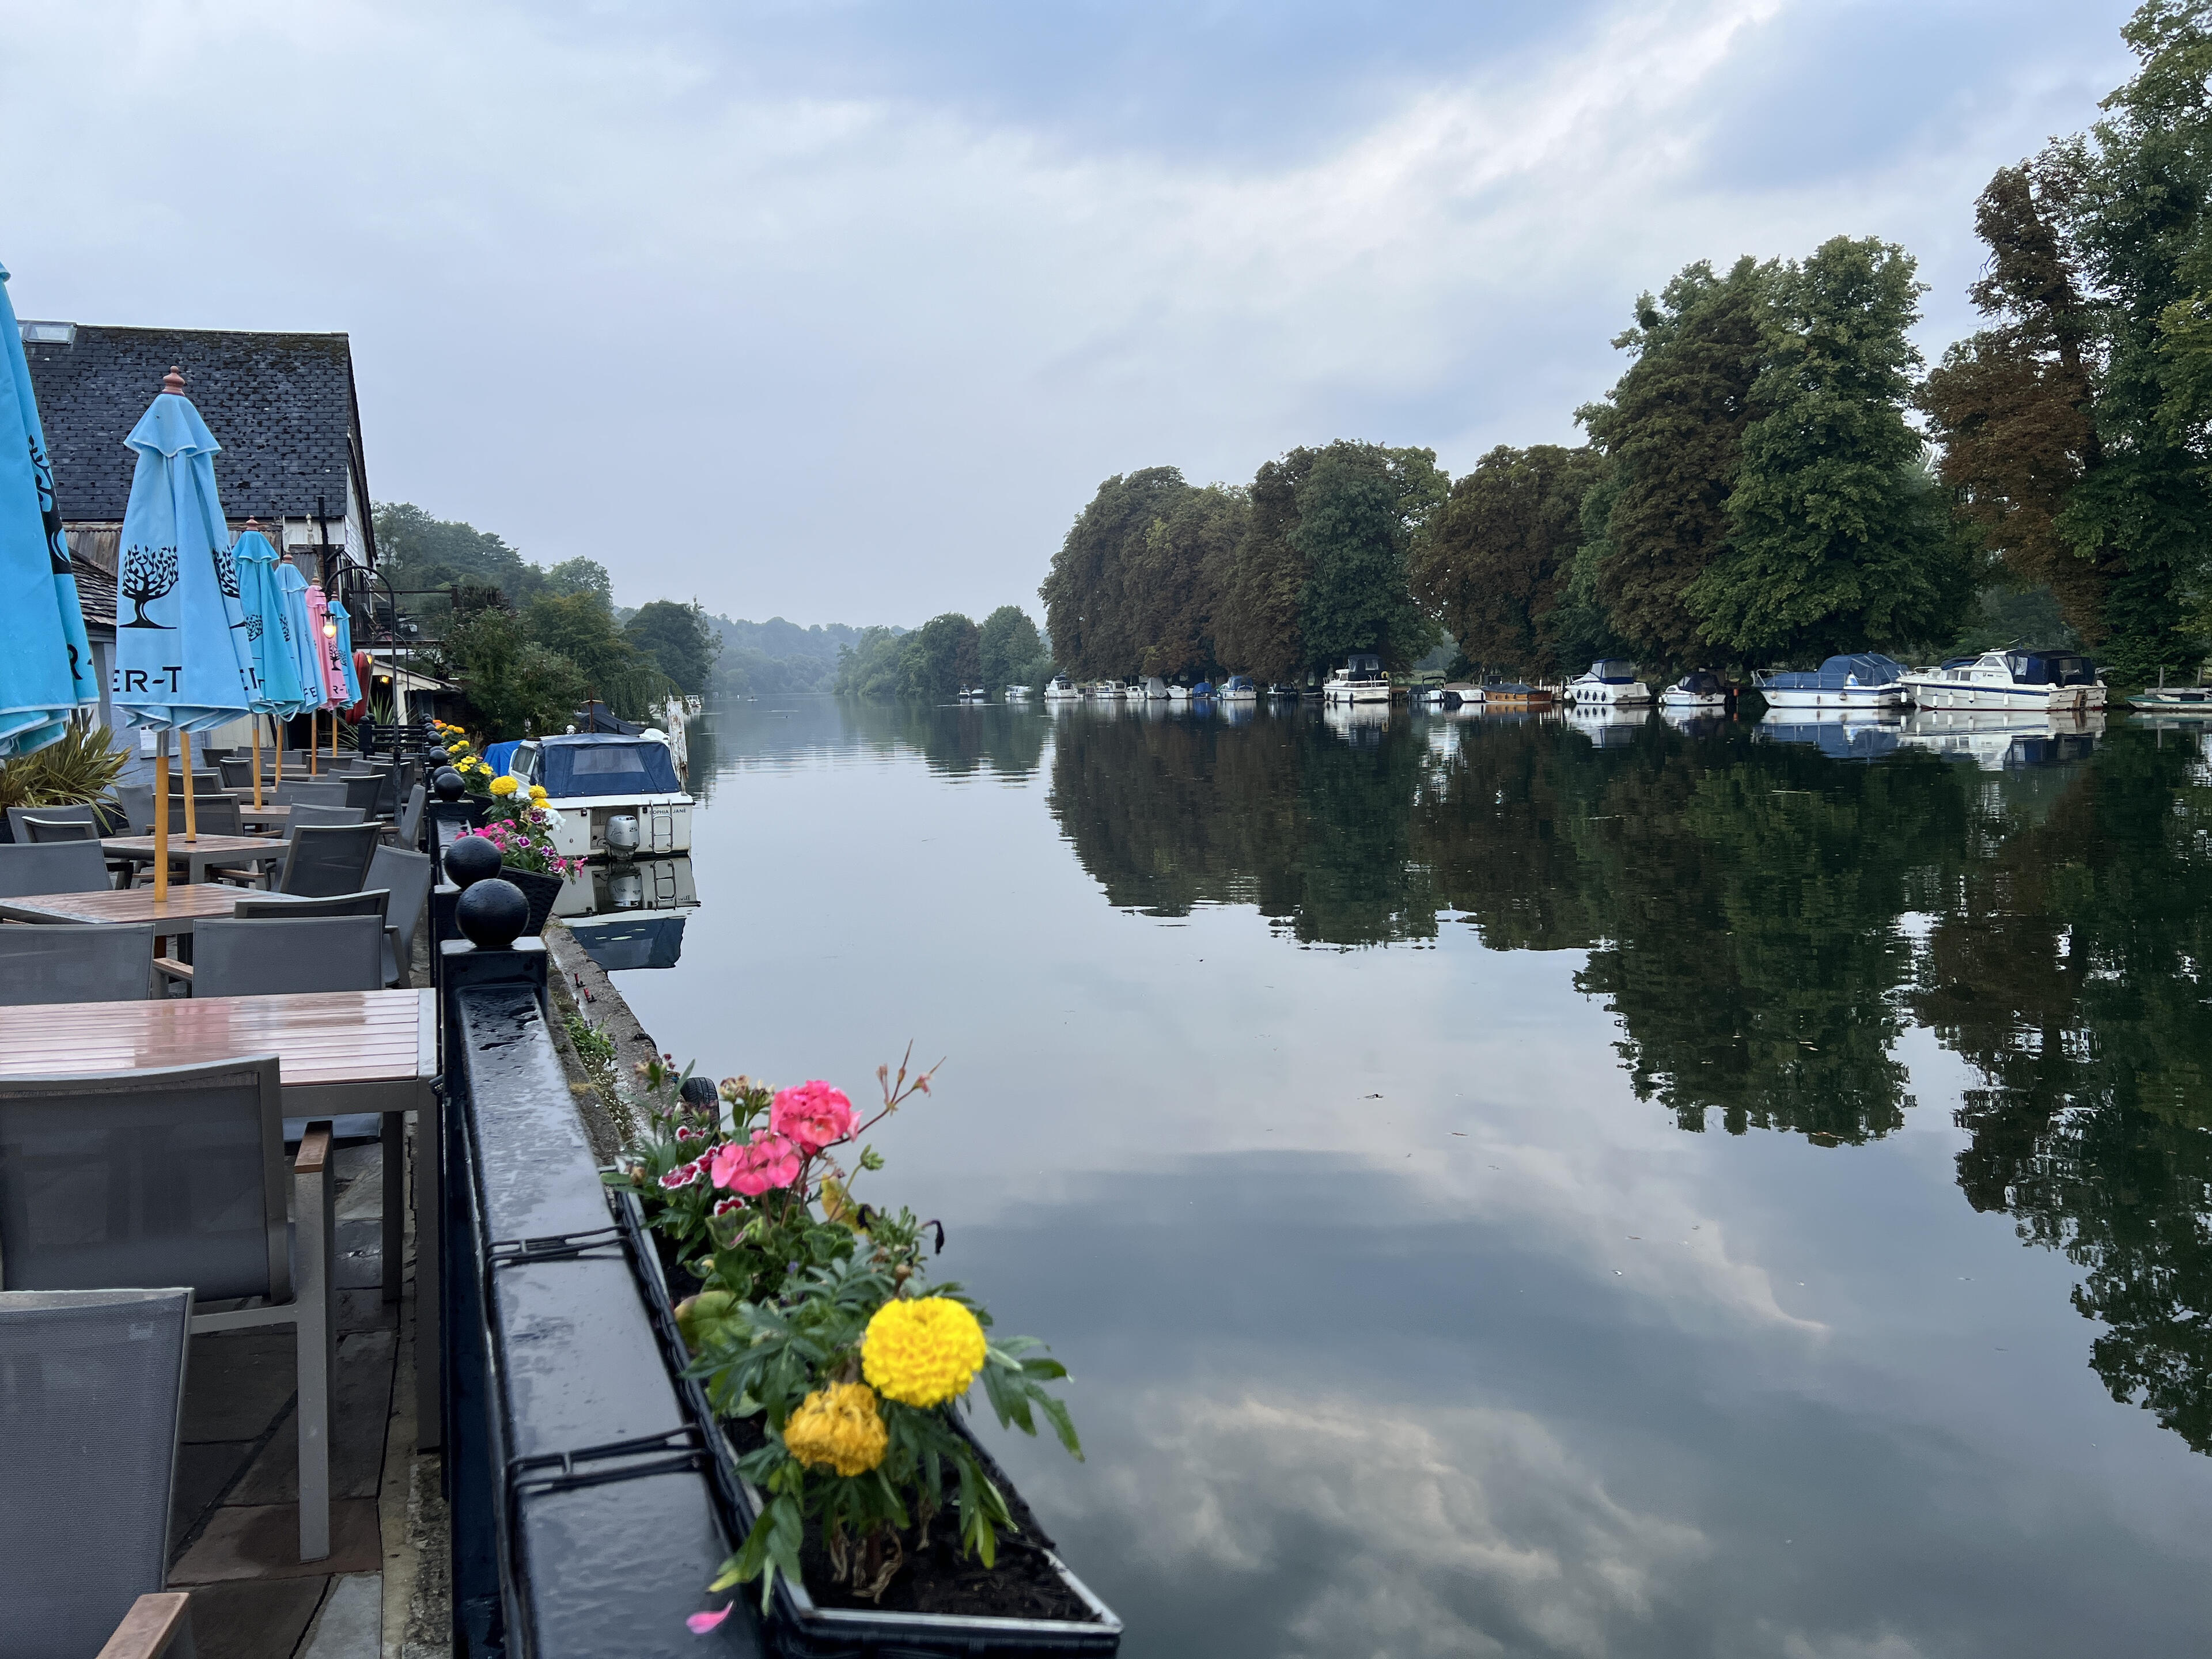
(448, 785)
(491, 914)
(470, 860)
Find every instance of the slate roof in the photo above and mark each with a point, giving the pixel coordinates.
(281, 406)
(95, 596)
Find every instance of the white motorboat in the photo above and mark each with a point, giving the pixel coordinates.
(1611, 683)
(1060, 689)
(1361, 680)
(2043, 681)
(1017, 694)
(1865, 680)
(974, 694)
(608, 792)
(1156, 689)
(1239, 688)
(1178, 693)
(1698, 688)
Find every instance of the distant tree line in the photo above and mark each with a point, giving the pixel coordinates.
(530, 645)
(943, 655)
(1773, 478)
(759, 659)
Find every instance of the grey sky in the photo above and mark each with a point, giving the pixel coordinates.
(841, 310)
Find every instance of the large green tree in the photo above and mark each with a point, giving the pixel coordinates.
(938, 658)
(1673, 427)
(1174, 576)
(517, 686)
(1004, 647)
(678, 638)
(1492, 562)
(415, 551)
(1359, 508)
(1090, 605)
(1839, 542)
(1261, 581)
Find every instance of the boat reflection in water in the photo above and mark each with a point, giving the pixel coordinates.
(630, 913)
(1839, 733)
(1361, 722)
(1609, 725)
(1998, 740)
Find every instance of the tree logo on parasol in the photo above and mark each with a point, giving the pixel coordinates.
(148, 573)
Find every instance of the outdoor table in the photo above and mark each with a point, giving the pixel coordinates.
(274, 817)
(196, 855)
(340, 1052)
(171, 916)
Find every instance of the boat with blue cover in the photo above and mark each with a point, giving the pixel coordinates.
(608, 792)
(1863, 679)
(2039, 682)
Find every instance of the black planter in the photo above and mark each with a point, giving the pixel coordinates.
(799, 1629)
(541, 890)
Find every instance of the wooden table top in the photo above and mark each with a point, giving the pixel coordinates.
(125, 847)
(197, 900)
(324, 1038)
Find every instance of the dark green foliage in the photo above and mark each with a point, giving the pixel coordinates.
(1089, 605)
(1673, 427)
(760, 657)
(939, 657)
(1838, 539)
(1172, 576)
(581, 575)
(1260, 593)
(1006, 646)
(1494, 562)
(415, 550)
(516, 685)
(1359, 507)
(677, 639)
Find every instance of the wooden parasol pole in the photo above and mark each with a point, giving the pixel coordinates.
(191, 818)
(256, 763)
(161, 819)
(313, 739)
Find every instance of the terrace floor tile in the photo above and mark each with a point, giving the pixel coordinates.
(262, 1541)
(260, 1620)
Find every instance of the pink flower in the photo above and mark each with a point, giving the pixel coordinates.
(683, 1175)
(814, 1115)
(767, 1160)
(728, 1205)
(700, 1623)
(682, 1134)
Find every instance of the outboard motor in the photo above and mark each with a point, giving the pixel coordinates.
(622, 835)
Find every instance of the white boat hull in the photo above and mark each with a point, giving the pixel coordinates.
(1600, 694)
(1868, 698)
(1675, 697)
(579, 826)
(1929, 692)
(1354, 695)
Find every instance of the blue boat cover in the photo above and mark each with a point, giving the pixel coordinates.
(500, 757)
(1863, 668)
(585, 764)
(646, 941)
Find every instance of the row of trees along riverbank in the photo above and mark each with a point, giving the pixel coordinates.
(1773, 478)
(944, 654)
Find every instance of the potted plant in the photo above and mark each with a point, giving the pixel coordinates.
(830, 1378)
(75, 770)
(522, 829)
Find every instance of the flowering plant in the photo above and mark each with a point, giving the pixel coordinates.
(526, 842)
(476, 771)
(812, 1316)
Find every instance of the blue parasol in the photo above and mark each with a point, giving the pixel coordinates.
(307, 644)
(182, 662)
(268, 628)
(45, 666)
(341, 651)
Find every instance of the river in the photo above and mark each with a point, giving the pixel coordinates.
(1502, 1188)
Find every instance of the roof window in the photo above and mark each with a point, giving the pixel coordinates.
(48, 333)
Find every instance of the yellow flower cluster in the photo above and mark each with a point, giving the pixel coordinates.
(504, 786)
(837, 1428)
(538, 796)
(923, 1352)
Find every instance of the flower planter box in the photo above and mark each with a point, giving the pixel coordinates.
(540, 889)
(801, 1628)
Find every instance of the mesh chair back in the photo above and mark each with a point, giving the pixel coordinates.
(135, 801)
(322, 791)
(204, 783)
(307, 815)
(387, 793)
(65, 866)
(279, 956)
(172, 1175)
(286, 910)
(362, 789)
(215, 815)
(408, 877)
(52, 814)
(237, 771)
(92, 1385)
(46, 829)
(96, 964)
(410, 823)
(327, 859)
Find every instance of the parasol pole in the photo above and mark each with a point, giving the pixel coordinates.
(191, 818)
(161, 818)
(256, 763)
(313, 738)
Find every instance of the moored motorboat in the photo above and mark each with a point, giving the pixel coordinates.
(608, 792)
(1178, 693)
(2188, 702)
(1698, 688)
(1863, 680)
(1610, 682)
(2040, 681)
(1156, 689)
(974, 694)
(1361, 680)
(1239, 688)
(1515, 694)
(1017, 694)
(1060, 689)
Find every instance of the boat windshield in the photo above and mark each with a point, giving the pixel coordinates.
(2051, 668)
(1612, 670)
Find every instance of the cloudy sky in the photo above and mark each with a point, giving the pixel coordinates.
(840, 309)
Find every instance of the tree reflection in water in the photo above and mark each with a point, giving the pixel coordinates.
(1765, 921)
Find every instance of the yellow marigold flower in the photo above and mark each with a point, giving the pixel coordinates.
(837, 1428)
(538, 792)
(923, 1352)
(504, 786)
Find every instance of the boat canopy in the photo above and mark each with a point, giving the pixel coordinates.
(1862, 669)
(2051, 668)
(1238, 683)
(585, 765)
(1612, 670)
(1701, 683)
(1364, 662)
(500, 757)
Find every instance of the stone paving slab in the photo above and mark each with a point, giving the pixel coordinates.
(262, 1541)
(362, 1400)
(262, 1619)
(351, 1623)
(236, 1382)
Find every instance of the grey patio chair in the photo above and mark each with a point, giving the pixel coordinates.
(363, 788)
(321, 792)
(61, 814)
(98, 961)
(408, 876)
(387, 793)
(407, 828)
(64, 867)
(215, 815)
(326, 859)
(374, 901)
(279, 956)
(135, 802)
(92, 1388)
(237, 771)
(44, 829)
(203, 783)
(307, 814)
(122, 1179)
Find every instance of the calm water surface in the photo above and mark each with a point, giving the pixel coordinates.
(1508, 1189)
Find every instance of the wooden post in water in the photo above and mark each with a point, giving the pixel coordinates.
(191, 817)
(162, 817)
